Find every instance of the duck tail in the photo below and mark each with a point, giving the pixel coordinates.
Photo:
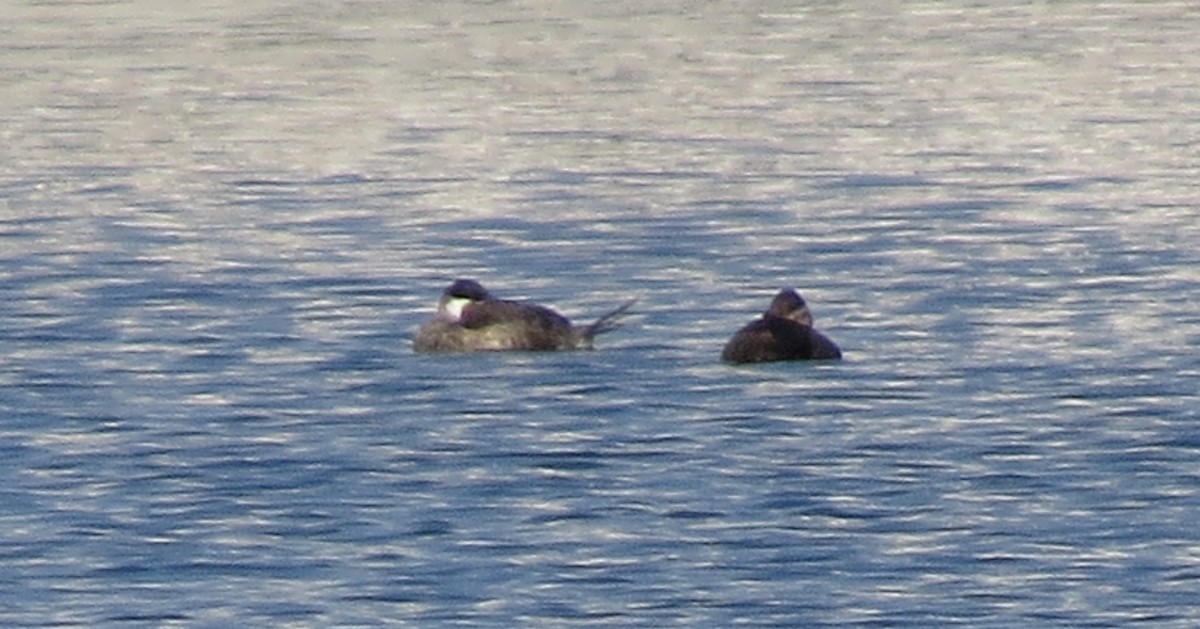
(607, 322)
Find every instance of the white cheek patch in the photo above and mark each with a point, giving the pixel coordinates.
(453, 308)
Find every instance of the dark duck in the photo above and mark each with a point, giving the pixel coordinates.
(784, 332)
(469, 319)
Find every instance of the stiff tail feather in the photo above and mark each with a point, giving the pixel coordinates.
(606, 323)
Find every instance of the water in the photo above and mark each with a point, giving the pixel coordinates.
(220, 224)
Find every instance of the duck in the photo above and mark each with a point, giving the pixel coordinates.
(470, 319)
(784, 332)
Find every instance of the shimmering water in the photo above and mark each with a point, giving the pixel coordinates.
(221, 222)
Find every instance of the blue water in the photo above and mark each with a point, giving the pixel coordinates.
(220, 226)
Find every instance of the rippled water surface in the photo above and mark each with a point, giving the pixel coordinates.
(220, 224)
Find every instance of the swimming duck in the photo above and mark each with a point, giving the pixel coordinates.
(469, 319)
(784, 332)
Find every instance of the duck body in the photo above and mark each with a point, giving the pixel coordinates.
(784, 332)
(469, 319)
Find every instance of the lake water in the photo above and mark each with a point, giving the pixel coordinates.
(221, 222)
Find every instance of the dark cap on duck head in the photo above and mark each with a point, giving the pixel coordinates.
(467, 289)
(788, 304)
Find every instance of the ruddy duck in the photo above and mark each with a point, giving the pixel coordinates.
(469, 319)
(784, 332)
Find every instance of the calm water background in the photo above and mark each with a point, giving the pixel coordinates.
(220, 223)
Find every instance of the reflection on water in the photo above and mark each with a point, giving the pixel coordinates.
(221, 225)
